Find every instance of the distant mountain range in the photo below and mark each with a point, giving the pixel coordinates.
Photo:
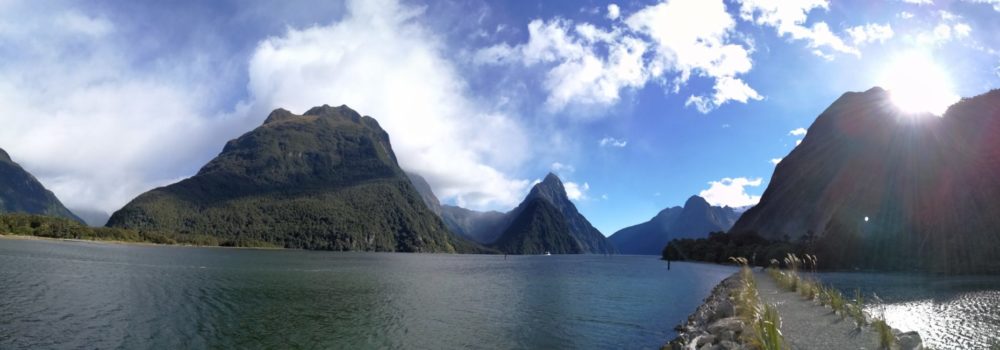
(327, 179)
(871, 186)
(20, 192)
(695, 219)
(546, 221)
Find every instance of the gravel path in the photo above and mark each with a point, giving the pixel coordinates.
(808, 325)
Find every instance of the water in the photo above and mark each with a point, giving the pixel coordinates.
(91, 295)
(950, 312)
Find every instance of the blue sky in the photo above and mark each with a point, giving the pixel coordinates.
(637, 105)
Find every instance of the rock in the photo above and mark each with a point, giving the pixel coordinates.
(725, 309)
(728, 335)
(910, 341)
(730, 345)
(705, 339)
(733, 324)
(710, 347)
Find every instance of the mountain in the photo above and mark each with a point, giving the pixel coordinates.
(483, 227)
(873, 187)
(546, 221)
(696, 219)
(532, 227)
(539, 228)
(426, 194)
(92, 217)
(478, 226)
(327, 179)
(20, 192)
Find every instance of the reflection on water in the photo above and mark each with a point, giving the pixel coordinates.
(88, 295)
(950, 312)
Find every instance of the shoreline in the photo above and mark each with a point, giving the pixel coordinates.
(115, 242)
(805, 323)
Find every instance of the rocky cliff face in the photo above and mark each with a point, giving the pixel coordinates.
(875, 187)
(20, 192)
(696, 219)
(327, 179)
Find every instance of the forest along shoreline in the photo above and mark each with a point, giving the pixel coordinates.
(778, 309)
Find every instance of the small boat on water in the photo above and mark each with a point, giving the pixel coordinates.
(548, 254)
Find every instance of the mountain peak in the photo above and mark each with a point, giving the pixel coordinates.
(341, 111)
(696, 202)
(551, 179)
(4, 156)
(551, 189)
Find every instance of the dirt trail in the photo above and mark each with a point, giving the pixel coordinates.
(808, 325)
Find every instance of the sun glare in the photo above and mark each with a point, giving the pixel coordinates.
(917, 84)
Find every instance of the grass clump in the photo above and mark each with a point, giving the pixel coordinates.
(762, 318)
(857, 309)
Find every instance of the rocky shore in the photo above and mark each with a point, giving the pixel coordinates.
(805, 323)
(714, 325)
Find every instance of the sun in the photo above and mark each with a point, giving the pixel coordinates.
(918, 84)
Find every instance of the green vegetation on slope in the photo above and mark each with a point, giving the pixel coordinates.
(719, 246)
(20, 192)
(55, 227)
(324, 180)
(539, 228)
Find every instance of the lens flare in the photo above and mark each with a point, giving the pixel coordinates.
(918, 85)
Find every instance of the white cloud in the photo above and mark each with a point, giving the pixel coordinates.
(560, 167)
(919, 2)
(93, 128)
(731, 192)
(905, 15)
(693, 37)
(590, 66)
(870, 33)
(789, 18)
(576, 191)
(798, 132)
(775, 161)
(948, 28)
(381, 62)
(613, 12)
(579, 74)
(798, 142)
(612, 142)
(995, 3)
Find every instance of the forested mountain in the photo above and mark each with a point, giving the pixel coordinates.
(696, 219)
(20, 192)
(326, 179)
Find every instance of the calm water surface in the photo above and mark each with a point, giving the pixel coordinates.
(950, 312)
(91, 295)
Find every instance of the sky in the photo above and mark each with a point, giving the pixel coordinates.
(636, 105)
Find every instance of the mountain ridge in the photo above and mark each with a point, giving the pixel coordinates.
(873, 187)
(327, 179)
(21, 192)
(696, 219)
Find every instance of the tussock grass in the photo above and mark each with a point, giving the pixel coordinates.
(857, 309)
(762, 318)
(885, 337)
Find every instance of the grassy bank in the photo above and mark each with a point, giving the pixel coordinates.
(59, 228)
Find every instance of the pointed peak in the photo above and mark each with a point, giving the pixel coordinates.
(696, 202)
(552, 178)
